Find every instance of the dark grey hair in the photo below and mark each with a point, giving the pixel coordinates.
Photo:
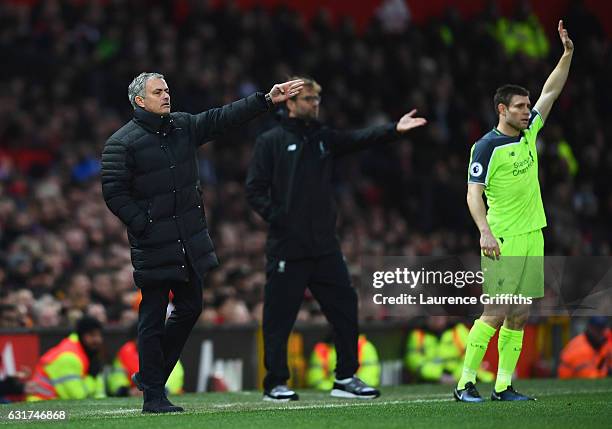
(137, 87)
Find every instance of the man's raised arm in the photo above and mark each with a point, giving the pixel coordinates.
(355, 140)
(556, 81)
(214, 122)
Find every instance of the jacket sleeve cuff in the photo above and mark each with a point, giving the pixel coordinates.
(264, 100)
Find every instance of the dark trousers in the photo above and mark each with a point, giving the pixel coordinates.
(328, 279)
(160, 342)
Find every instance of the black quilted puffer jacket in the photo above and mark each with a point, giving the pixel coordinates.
(150, 181)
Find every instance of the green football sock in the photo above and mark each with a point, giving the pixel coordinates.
(509, 346)
(477, 342)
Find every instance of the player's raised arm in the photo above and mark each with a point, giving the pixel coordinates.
(555, 82)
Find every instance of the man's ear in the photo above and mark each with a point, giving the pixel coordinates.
(290, 104)
(501, 109)
(139, 101)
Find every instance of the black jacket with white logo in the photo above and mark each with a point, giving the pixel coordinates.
(289, 183)
(150, 181)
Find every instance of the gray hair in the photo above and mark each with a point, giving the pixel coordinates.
(137, 87)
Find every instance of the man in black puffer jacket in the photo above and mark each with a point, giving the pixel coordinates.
(150, 181)
(290, 185)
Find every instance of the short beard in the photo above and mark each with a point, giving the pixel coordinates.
(518, 127)
(95, 361)
(596, 341)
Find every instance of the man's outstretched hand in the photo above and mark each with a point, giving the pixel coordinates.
(408, 122)
(568, 45)
(283, 91)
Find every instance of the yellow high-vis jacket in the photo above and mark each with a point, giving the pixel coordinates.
(62, 373)
(428, 357)
(323, 363)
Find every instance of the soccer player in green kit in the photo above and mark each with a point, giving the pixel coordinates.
(504, 165)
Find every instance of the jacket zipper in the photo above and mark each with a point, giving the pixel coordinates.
(300, 148)
(172, 164)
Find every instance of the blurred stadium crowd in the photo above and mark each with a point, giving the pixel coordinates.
(64, 91)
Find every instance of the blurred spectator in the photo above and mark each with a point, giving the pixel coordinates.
(589, 355)
(9, 317)
(98, 312)
(73, 368)
(233, 311)
(524, 34)
(434, 352)
(119, 381)
(322, 364)
(14, 385)
(394, 15)
(47, 312)
(78, 293)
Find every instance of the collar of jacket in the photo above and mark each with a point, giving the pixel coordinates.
(298, 124)
(152, 121)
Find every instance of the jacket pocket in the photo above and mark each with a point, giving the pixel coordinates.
(149, 225)
(200, 203)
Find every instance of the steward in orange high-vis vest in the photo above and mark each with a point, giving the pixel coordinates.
(588, 355)
(72, 369)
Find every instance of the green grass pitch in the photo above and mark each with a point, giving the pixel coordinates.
(576, 404)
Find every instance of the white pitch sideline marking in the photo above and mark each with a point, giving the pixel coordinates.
(287, 406)
(221, 407)
(362, 402)
(121, 411)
